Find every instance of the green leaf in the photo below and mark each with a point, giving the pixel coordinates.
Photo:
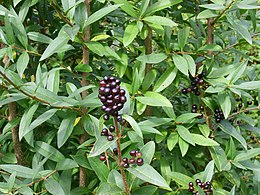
(181, 63)
(154, 122)
(121, 65)
(49, 151)
(65, 129)
(83, 68)
(210, 47)
(209, 171)
(204, 129)
(160, 5)
(96, 48)
(148, 174)
(240, 28)
(148, 189)
(53, 82)
(154, 99)
(184, 146)
(16, 2)
(180, 178)
(185, 118)
(148, 151)
(251, 85)
(160, 21)
(66, 164)
(229, 129)
(130, 33)
(235, 75)
(149, 79)
(225, 103)
(21, 171)
(166, 79)
(246, 5)
(40, 120)
(52, 48)
(99, 168)
(165, 169)
(53, 187)
(191, 64)
(127, 7)
(101, 145)
(133, 124)
(152, 58)
(109, 189)
(248, 154)
(172, 140)
(143, 7)
(38, 37)
(213, 6)
(26, 120)
(203, 141)
(115, 177)
(207, 14)
(220, 158)
(100, 14)
(183, 35)
(185, 134)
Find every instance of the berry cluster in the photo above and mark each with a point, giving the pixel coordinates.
(112, 97)
(194, 109)
(108, 133)
(240, 105)
(103, 156)
(205, 186)
(137, 159)
(218, 115)
(196, 84)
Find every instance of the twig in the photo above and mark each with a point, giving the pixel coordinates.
(108, 165)
(34, 97)
(244, 110)
(223, 12)
(127, 191)
(27, 51)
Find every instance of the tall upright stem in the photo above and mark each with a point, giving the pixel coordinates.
(84, 82)
(127, 191)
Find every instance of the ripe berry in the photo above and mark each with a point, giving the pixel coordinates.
(105, 131)
(138, 154)
(102, 157)
(252, 137)
(125, 160)
(194, 106)
(115, 151)
(102, 83)
(132, 153)
(200, 116)
(122, 92)
(238, 99)
(126, 165)
(201, 107)
(110, 137)
(112, 128)
(189, 90)
(122, 99)
(197, 93)
(191, 184)
(197, 181)
(191, 189)
(132, 161)
(217, 120)
(106, 117)
(119, 118)
(193, 110)
(200, 82)
(106, 78)
(139, 161)
(240, 105)
(184, 91)
(118, 82)
(249, 102)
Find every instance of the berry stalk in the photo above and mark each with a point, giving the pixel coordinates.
(118, 134)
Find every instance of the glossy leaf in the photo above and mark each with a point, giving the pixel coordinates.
(203, 141)
(180, 178)
(53, 186)
(181, 64)
(248, 154)
(133, 124)
(172, 140)
(130, 33)
(154, 99)
(152, 58)
(185, 134)
(148, 151)
(101, 145)
(66, 164)
(160, 21)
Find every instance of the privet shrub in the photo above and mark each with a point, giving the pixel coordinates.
(176, 113)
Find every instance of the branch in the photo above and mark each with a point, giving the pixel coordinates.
(34, 97)
(223, 12)
(244, 110)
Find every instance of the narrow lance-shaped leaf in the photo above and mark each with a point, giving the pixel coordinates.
(152, 58)
(101, 145)
(185, 134)
(181, 63)
(154, 99)
(130, 33)
(160, 21)
(133, 124)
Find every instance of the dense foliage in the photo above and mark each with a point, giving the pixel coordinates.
(181, 108)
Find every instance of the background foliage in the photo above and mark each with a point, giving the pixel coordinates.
(53, 55)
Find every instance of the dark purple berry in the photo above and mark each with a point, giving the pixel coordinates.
(119, 118)
(105, 131)
(193, 110)
(111, 79)
(252, 137)
(117, 98)
(238, 99)
(110, 137)
(195, 88)
(109, 103)
(112, 128)
(102, 157)
(191, 189)
(122, 99)
(101, 90)
(119, 106)
(194, 106)
(106, 78)
(132, 153)
(107, 91)
(240, 105)
(122, 92)
(201, 107)
(118, 82)
(115, 91)
(126, 165)
(191, 184)
(200, 82)
(115, 113)
(217, 120)
(200, 116)
(125, 160)
(139, 161)
(249, 102)
(138, 154)
(102, 83)
(193, 83)
(197, 93)
(184, 91)
(108, 110)
(113, 84)
(102, 98)
(106, 117)
(115, 151)
(197, 181)
(132, 161)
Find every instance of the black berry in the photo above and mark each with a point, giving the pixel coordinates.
(132, 161)
(126, 165)
(102, 157)
(125, 160)
(139, 161)
(110, 137)
(112, 128)
(115, 151)
(184, 91)
(132, 153)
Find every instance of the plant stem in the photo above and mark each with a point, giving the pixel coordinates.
(223, 12)
(127, 191)
(84, 82)
(244, 110)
